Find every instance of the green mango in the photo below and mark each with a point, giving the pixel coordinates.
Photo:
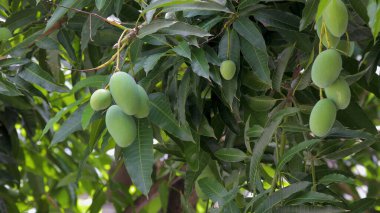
(326, 68)
(100, 99)
(328, 40)
(322, 117)
(121, 126)
(144, 104)
(5, 34)
(125, 92)
(340, 93)
(335, 17)
(228, 69)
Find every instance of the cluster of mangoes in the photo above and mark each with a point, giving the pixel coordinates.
(327, 68)
(131, 100)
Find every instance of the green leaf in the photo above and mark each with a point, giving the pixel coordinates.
(184, 29)
(199, 5)
(213, 189)
(152, 60)
(321, 7)
(360, 8)
(87, 114)
(293, 151)
(13, 61)
(257, 60)
(165, 3)
(154, 26)
(183, 49)
(248, 30)
(162, 116)
(100, 4)
(357, 147)
(310, 209)
(230, 155)
(246, 3)
(263, 142)
(199, 63)
(60, 12)
(138, 157)
(335, 178)
(312, 197)
(308, 13)
(373, 11)
(71, 125)
(281, 195)
(34, 74)
(96, 81)
(282, 64)
(59, 115)
(7, 88)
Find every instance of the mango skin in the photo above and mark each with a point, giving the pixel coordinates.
(340, 93)
(326, 68)
(125, 93)
(5, 34)
(144, 109)
(228, 69)
(322, 117)
(335, 16)
(121, 126)
(100, 99)
(328, 40)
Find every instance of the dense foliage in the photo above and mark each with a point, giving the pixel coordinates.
(208, 144)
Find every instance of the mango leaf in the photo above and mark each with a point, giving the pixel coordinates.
(152, 60)
(373, 10)
(154, 26)
(281, 195)
(96, 81)
(308, 13)
(263, 142)
(213, 189)
(257, 59)
(71, 125)
(138, 157)
(165, 3)
(162, 116)
(184, 29)
(13, 61)
(7, 88)
(311, 197)
(293, 151)
(34, 74)
(335, 178)
(310, 209)
(199, 5)
(100, 4)
(60, 12)
(183, 49)
(60, 114)
(230, 155)
(282, 64)
(249, 31)
(199, 63)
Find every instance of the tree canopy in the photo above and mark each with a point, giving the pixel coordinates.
(245, 112)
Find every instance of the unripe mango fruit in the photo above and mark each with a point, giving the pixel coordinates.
(326, 68)
(121, 126)
(335, 17)
(144, 103)
(228, 69)
(100, 99)
(340, 93)
(328, 40)
(125, 93)
(322, 117)
(5, 34)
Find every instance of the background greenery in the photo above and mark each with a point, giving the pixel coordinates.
(250, 134)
